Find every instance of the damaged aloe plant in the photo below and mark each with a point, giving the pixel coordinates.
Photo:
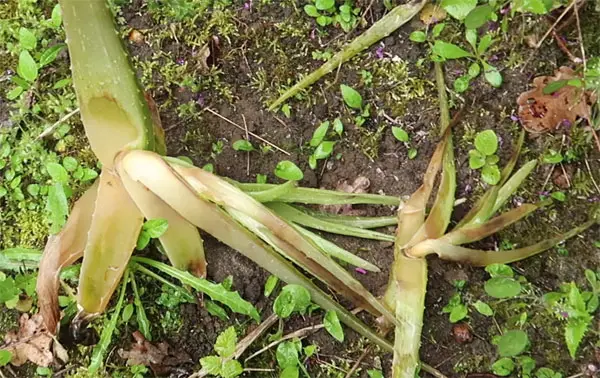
(420, 234)
(137, 182)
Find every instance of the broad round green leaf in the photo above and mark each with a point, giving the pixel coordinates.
(287, 170)
(483, 308)
(476, 159)
(57, 172)
(461, 84)
(418, 36)
(459, 9)
(351, 97)
(333, 326)
(478, 16)
(324, 150)
(324, 4)
(512, 343)
(400, 134)
(311, 10)
(486, 142)
(27, 39)
(449, 51)
(494, 77)
(490, 174)
(503, 367)
(27, 67)
(243, 145)
(502, 287)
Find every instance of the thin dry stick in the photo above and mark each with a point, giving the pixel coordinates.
(539, 44)
(301, 333)
(580, 37)
(562, 45)
(359, 361)
(251, 133)
(50, 129)
(592, 175)
(241, 347)
(248, 152)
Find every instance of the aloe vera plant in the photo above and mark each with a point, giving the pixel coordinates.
(420, 234)
(137, 182)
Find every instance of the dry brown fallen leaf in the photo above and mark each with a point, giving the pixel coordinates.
(32, 342)
(539, 112)
(160, 358)
(431, 14)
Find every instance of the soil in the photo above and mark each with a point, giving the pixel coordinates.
(244, 54)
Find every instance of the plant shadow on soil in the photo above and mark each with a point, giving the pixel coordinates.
(252, 56)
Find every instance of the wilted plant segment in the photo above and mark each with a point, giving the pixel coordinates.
(138, 184)
(419, 235)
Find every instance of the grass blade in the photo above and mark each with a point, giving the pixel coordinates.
(294, 215)
(182, 242)
(475, 257)
(62, 250)
(311, 196)
(17, 259)
(113, 234)
(334, 250)
(353, 221)
(140, 312)
(100, 350)
(379, 30)
(217, 292)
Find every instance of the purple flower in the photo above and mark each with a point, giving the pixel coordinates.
(180, 61)
(566, 123)
(505, 10)
(312, 34)
(514, 118)
(360, 270)
(379, 52)
(248, 5)
(564, 314)
(200, 100)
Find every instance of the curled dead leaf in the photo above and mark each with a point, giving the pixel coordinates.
(31, 342)
(161, 358)
(541, 112)
(432, 13)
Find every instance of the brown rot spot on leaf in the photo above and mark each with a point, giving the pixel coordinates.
(432, 13)
(554, 101)
(161, 358)
(32, 342)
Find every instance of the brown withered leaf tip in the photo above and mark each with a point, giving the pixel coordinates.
(160, 358)
(30, 343)
(540, 113)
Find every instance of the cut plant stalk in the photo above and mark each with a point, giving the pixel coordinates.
(418, 237)
(397, 17)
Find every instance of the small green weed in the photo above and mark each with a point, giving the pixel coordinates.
(484, 157)
(326, 12)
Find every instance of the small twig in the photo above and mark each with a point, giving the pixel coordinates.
(243, 344)
(580, 36)
(247, 152)
(562, 167)
(251, 133)
(563, 46)
(359, 361)
(301, 333)
(50, 129)
(539, 44)
(592, 175)
(259, 369)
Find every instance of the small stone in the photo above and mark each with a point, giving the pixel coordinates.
(136, 36)
(462, 333)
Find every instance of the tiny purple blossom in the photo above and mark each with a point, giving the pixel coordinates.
(379, 52)
(200, 99)
(248, 5)
(312, 34)
(360, 270)
(180, 61)
(514, 118)
(564, 314)
(505, 10)
(566, 123)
